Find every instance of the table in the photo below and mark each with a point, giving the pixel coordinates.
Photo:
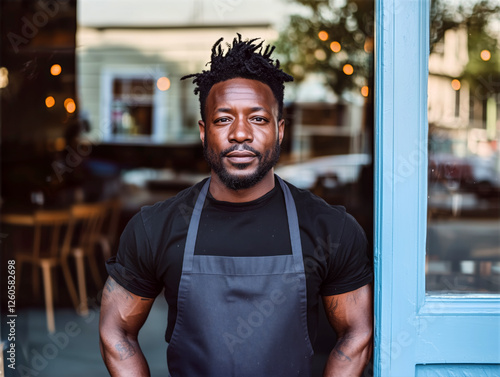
(21, 219)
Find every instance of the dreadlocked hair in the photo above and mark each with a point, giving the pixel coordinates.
(243, 59)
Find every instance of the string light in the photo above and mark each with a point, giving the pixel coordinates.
(348, 69)
(335, 46)
(55, 70)
(485, 55)
(50, 101)
(163, 83)
(70, 105)
(455, 84)
(364, 91)
(323, 35)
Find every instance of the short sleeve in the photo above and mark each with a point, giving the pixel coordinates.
(133, 266)
(349, 265)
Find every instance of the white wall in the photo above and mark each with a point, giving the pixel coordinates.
(96, 13)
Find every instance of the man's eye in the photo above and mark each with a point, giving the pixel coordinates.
(222, 120)
(260, 119)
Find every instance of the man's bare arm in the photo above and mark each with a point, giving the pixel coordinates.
(122, 316)
(350, 315)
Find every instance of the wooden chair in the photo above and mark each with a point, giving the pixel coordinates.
(88, 220)
(53, 232)
(109, 230)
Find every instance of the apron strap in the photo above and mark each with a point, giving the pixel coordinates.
(293, 227)
(187, 264)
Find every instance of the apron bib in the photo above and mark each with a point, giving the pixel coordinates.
(241, 316)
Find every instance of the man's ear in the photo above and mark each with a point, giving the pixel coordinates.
(281, 130)
(201, 125)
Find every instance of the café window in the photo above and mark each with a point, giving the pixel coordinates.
(134, 105)
(463, 227)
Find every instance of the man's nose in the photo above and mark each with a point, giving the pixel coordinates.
(241, 131)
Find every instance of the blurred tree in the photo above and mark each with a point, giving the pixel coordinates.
(474, 15)
(333, 38)
(481, 20)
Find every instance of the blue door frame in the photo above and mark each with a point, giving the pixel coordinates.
(415, 334)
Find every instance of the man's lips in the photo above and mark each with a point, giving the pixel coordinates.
(240, 156)
(243, 153)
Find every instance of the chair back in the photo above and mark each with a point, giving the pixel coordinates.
(110, 227)
(88, 219)
(51, 231)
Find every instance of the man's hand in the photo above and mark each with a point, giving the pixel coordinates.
(122, 316)
(350, 315)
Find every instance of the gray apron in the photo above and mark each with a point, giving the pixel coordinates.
(241, 316)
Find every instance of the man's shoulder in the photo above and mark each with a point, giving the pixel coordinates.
(313, 205)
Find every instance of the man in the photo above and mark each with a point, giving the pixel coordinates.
(243, 256)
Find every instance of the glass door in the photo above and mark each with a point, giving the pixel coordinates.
(463, 222)
(437, 306)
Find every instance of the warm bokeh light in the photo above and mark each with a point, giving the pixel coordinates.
(70, 105)
(50, 101)
(364, 91)
(455, 84)
(323, 35)
(485, 55)
(59, 144)
(320, 54)
(348, 69)
(335, 46)
(55, 70)
(163, 83)
(4, 77)
(368, 47)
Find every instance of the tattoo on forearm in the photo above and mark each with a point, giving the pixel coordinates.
(341, 355)
(338, 353)
(125, 349)
(112, 286)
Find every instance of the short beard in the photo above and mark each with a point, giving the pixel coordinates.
(234, 182)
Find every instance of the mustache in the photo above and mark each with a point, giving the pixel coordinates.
(240, 147)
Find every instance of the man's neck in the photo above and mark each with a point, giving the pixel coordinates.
(222, 193)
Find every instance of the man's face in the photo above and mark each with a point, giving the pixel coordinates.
(241, 134)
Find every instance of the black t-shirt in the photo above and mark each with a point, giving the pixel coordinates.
(151, 248)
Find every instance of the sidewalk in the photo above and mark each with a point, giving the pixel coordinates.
(73, 350)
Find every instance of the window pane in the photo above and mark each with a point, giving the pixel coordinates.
(132, 106)
(463, 229)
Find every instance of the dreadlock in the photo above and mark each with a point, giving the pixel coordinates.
(242, 60)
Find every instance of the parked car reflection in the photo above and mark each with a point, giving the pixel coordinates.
(470, 184)
(333, 171)
(339, 179)
(463, 232)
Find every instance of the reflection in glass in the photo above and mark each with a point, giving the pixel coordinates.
(130, 89)
(463, 229)
(132, 106)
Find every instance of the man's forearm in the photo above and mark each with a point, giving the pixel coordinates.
(123, 357)
(348, 357)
